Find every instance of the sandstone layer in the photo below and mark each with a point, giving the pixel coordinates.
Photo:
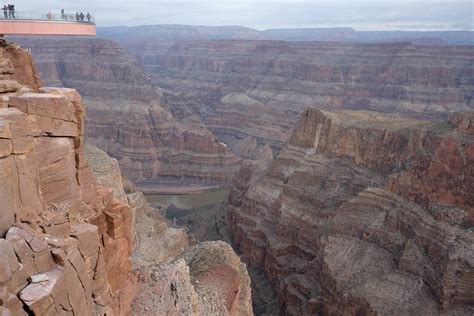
(130, 119)
(207, 279)
(66, 238)
(65, 241)
(155, 242)
(364, 213)
(251, 92)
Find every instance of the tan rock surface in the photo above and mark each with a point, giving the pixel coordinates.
(106, 171)
(19, 62)
(214, 265)
(67, 242)
(207, 279)
(362, 213)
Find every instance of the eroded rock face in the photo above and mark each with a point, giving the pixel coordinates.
(25, 69)
(129, 118)
(207, 279)
(363, 212)
(65, 241)
(258, 89)
(250, 94)
(105, 170)
(155, 241)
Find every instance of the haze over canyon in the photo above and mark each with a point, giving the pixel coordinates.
(337, 168)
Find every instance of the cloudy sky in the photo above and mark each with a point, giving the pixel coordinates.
(265, 14)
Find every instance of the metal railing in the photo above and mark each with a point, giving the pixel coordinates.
(49, 16)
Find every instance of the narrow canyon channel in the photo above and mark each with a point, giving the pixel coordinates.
(189, 201)
(201, 213)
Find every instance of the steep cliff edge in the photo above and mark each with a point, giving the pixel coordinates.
(363, 212)
(67, 242)
(128, 117)
(206, 279)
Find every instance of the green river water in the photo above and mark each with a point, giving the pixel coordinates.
(189, 201)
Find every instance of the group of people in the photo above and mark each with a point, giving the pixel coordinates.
(9, 11)
(78, 16)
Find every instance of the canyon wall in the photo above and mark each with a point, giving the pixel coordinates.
(140, 35)
(363, 213)
(173, 279)
(128, 118)
(65, 241)
(250, 94)
(254, 91)
(74, 245)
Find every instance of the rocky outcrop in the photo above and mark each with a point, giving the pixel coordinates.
(25, 69)
(128, 118)
(66, 238)
(65, 241)
(363, 213)
(259, 89)
(105, 170)
(207, 279)
(154, 241)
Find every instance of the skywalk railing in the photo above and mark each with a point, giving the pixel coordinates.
(75, 17)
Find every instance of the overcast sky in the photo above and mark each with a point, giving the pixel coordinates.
(265, 14)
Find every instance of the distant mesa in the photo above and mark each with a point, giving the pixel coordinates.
(49, 23)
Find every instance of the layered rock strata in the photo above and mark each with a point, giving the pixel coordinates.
(247, 90)
(128, 118)
(207, 279)
(364, 213)
(155, 241)
(65, 241)
(250, 94)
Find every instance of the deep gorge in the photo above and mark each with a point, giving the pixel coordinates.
(350, 166)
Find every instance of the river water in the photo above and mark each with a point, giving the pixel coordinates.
(190, 201)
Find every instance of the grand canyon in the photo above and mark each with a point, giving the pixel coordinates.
(192, 170)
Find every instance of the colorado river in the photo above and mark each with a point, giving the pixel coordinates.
(190, 201)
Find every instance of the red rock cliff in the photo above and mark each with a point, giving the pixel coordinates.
(364, 213)
(129, 118)
(65, 241)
